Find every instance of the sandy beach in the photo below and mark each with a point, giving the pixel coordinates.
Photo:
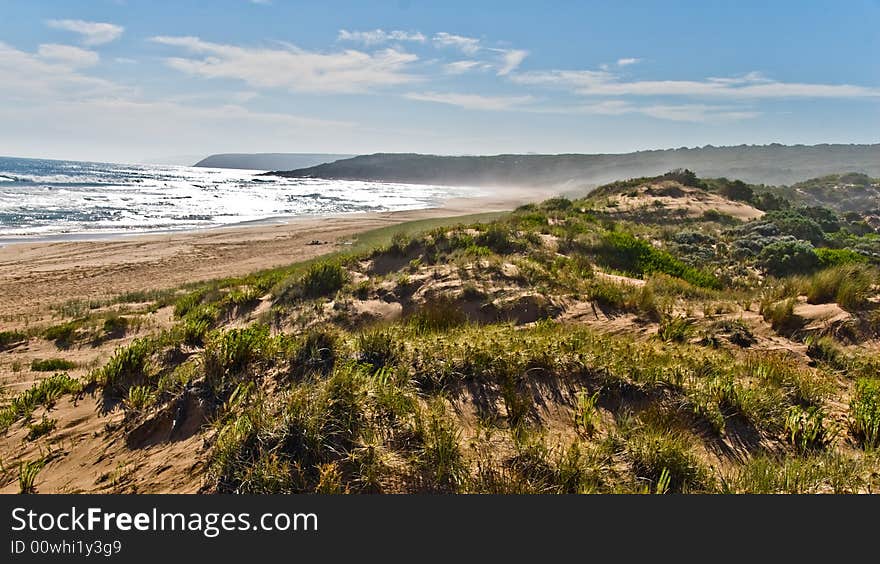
(37, 275)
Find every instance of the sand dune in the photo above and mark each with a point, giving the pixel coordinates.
(34, 276)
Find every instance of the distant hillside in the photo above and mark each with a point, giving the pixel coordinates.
(769, 164)
(842, 192)
(267, 161)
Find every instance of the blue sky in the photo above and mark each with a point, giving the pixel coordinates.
(138, 80)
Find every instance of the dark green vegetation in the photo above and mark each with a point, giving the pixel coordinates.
(624, 342)
(52, 365)
(769, 164)
(44, 393)
(851, 192)
(10, 339)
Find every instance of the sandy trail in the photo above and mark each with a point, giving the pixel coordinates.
(34, 276)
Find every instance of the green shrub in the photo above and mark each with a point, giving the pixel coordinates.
(558, 203)
(585, 414)
(625, 252)
(608, 294)
(315, 353)
(499, 238)
(27, 475)
(63, 335)
(242, 297)
(839, 257)
(655, 452)
(796, 224)
(780, 315)
(11, 338)
(849, 285)
(197, 322)
(51, 365)
(228, 353)
(127, 367)
(116, 326)
(139, 398)
(45, 393)
(864, 411)
(824, 349)
(401, 244)
(43, 428)
(186, 303)
(805, 428)
(784, 258)
(675, 329)
(323, 279)
(377, 348)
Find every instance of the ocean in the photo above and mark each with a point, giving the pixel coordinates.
(50, 199)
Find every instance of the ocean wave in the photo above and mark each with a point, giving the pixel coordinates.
(44, 198)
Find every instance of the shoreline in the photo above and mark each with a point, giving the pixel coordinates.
(451, 204)
(36, 275)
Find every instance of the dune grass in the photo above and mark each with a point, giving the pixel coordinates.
(315, 396)
(52, 365)
(44, 393)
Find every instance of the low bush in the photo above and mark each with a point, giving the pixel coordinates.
(794, 475)
(186, 303)
(322, 279)
(676, 329)
(839, 257)
(51, 365)
(805, 428)
(45, 426)
(44, 392)
(849, 285)
(625, 252)
(315, 353)
(11, 338)
(64, 334)
(127, 367)
(377, 348)
(780, 315)
(785, 258)
(116, 326)
(658, 453)
(499, 238)
(228, 353)
(864, 411)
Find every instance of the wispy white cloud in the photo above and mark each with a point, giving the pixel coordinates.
(92, 33)
(511, 60)
(471, 101)
(68, 55)
(750, 86)
(51, 74)
(467, 45)
(48, 106)
(290, 67)
(627, 61)
(504, 61)
(461, 67)
(694, 113)
(379, 36)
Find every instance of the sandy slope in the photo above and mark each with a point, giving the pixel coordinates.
(34, 276)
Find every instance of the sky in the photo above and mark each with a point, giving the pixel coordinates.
(149, 80)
